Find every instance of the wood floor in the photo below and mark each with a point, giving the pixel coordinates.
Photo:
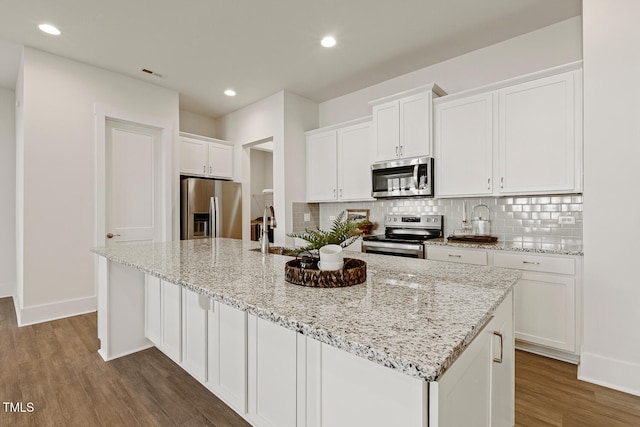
(55, 366)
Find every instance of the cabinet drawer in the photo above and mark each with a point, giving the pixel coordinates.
(535, 263)
(463, 256)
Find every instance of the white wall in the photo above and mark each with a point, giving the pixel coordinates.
(57, 179)
(283, 117)
(556, 44)
(7, 193)
(197, 124)
(611, 350)
(257, 122)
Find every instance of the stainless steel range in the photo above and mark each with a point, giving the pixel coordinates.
(405, 234)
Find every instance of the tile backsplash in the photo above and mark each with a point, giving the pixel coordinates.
(513, 219)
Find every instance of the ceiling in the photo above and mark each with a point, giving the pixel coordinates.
(259, 47)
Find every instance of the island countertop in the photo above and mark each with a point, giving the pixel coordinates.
(415, 316)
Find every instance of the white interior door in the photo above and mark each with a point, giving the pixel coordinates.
(133, 176)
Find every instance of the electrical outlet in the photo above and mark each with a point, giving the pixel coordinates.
(332, 217)
(307, 217)
(566, 220)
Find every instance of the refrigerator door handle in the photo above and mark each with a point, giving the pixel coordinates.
(214, 220)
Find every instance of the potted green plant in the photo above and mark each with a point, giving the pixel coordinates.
(343, 232)
(365, 226)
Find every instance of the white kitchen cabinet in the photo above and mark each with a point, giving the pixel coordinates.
(546, 298)
(194, 333)
(272, 374)
(220, 161)
(478, 389)
(538, 130)
(153, 312)
(206, 157)
(463, 133)
(521, 136)
(402, 123)
(462, 256)
(322, 167)
(171, 320)
(227, 355)
(339, 162)
(345, 390)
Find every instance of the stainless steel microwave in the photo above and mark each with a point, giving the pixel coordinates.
(403, 178)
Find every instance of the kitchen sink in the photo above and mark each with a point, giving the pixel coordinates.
(277, 250)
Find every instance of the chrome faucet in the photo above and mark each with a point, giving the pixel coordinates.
(271, 215)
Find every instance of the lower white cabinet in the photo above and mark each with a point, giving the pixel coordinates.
(463, 256)
(546, 298)
(194, 333)
(272, 374)
(345, 390)
(153, 312)
(478, 389)
(275, 377)
(227, 355)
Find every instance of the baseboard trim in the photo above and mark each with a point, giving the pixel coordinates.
(58, 310)
(611, 373)
(7, 289)
(548, 352)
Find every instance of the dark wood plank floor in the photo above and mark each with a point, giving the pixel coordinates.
(548, 393)
(55, 365)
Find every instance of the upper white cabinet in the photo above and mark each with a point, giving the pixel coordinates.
(339, 162)
(208, 157)
(537, 135)
(517, 137)
(402, 123)
(463, 132)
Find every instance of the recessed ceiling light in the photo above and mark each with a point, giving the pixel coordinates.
(49, 29)
(230, 92)
(328, 41)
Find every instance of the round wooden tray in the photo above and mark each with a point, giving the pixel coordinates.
(354, 272)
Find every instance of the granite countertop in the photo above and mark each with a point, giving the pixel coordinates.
(531, 246)
(412, 315)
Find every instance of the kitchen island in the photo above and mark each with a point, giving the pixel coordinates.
(410, 345)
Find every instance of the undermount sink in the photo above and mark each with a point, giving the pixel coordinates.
(277, 250)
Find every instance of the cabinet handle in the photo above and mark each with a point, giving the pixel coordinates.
(210, 169)
(397, 153)
(204, 168)
(334, 192)
(531, 262)
(499, 335)
(455, 256)
(502, 182)
(488, 183)
(401, 147)
(341, 192)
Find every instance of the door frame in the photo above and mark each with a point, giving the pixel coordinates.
(102, 114)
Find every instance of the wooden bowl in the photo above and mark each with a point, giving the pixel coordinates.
(354, 272)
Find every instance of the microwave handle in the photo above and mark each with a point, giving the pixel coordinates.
(415, 176)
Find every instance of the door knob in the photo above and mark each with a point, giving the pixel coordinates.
(111, 235)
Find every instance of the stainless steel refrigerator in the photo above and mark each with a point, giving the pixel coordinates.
(210, 208)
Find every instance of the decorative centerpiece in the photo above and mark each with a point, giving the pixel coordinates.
(336, 271)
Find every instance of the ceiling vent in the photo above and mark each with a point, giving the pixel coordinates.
(153, 73)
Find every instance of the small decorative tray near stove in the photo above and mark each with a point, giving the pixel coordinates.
(471, 238)
(352, 273)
